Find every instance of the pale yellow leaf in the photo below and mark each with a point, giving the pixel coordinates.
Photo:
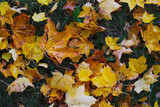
(39, 17)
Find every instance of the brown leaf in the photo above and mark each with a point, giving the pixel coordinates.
(70, 5)
(21, 28)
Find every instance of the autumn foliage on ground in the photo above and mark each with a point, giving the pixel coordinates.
(80, 53)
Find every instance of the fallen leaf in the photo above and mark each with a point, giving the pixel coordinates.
(88, 13)
(133, 3)
(14, 54)
(147, 18)
(44, 2)
(4, 7)
(112, 43)
(79, 99)
(138, 65)
(39, 17)
(61, 82)
(54, 7)
(107, 79)
(6, 56)
(141, 85)
(32, 74)
(21, 29)
(70, 5)
(151, 38)
(84, 71)
(106, 7)
(19, 85)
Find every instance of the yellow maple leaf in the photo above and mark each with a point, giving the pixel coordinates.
(84, 71)
(156, 69)
(39, 17)
(61, 82)
(19, 85)
(79, 99)
(7, 17)
(44, 2)
(151, 38)
(108, 78)
(133, 3)
(31, 48)
(105, 91)
(147, 18)
(112, 43)
(138, 65)
(88, 13)
(128, 73)
(106, 7)
(4, 7)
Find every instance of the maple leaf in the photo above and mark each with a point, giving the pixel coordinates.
(31, 48)
(7, 17)
(138, 65)
(107, 7)
(133, 3)
(128, 73)
(3, 38)
(21, 29)
(88, 13)
(84, 71)
(19, 85)
(156, 69)
(4, 7)
(32, 74)
(112, 43)
(39, 17)
(91, 26)
(141, 85)
(14, 69)
(81, 45)
(44, 2)
(105, 91)
(70, 5)
(79, 99)
(61, 82)
(147, 18)
(151, 38)
(144, 83)
(138, 13)
(62, 53)
(108, 78)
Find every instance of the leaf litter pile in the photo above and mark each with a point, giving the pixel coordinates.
(98, 53)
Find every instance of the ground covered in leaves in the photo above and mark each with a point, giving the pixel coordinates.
(79, 53)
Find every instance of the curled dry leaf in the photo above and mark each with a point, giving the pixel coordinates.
(19, 85)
